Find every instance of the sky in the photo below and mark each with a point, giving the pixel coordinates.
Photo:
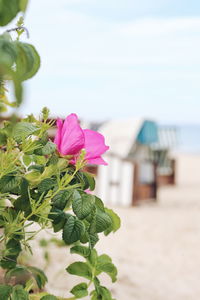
(106, 59)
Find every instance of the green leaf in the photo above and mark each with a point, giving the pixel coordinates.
(8, 11)
(101, 293)
(104, 264)
(82, 204)
(36, 167)
(80, 290)
(116, 222)
(93, 239)
(27, 160)
(17, 272)
(22, 130)
(80, 269)
(81, 250)
(8, 52)
(23, 5)
(102, 221)
(8, 262)
(110, 269)
(19, 293)
(90, 180)
(47, 149)
(92, 258)
(23, 202)
(13, 247)
(99, 203)
(5, 291)
(72, 230)
(49, 297)
(39, 276)
(28, 61)
(59, 218)
(63, 199)
(46, 185)
(9, 183)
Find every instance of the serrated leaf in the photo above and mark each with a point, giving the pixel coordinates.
(59, 218)
(19, 293)
(72, 230)
(63, 199)
(80, 269)
(5, 291)
(82, 204)
(47, 149)
(93, 239)
(22, 130)
(46, 185)
(9, 183)
(116, 222)
(102, 221)
(81, 250)
(80, 290)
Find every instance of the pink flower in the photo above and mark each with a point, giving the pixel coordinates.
(71, 139)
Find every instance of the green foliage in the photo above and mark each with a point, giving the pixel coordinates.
(49, 297)
(83, 204)
(72, 230)
(63, 199)
(80, 290)
(23, 130)
(19, 293)
(27, 62)
(9, 10)
(80, 269)
(5, 291)
(116, 222)
(38, 185)
(39, 276)
(19, 61)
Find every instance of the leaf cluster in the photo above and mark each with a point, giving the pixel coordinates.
(39, 186)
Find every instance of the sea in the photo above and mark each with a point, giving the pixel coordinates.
(188, 138)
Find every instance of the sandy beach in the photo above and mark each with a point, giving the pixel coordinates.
(157, 249)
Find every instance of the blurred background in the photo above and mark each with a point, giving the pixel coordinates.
(131, 69)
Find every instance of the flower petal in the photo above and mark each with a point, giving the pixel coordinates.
(72, 136)
(97, 161)
(58, 135)
(94, 144)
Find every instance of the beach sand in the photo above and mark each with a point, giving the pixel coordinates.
(157, 249)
